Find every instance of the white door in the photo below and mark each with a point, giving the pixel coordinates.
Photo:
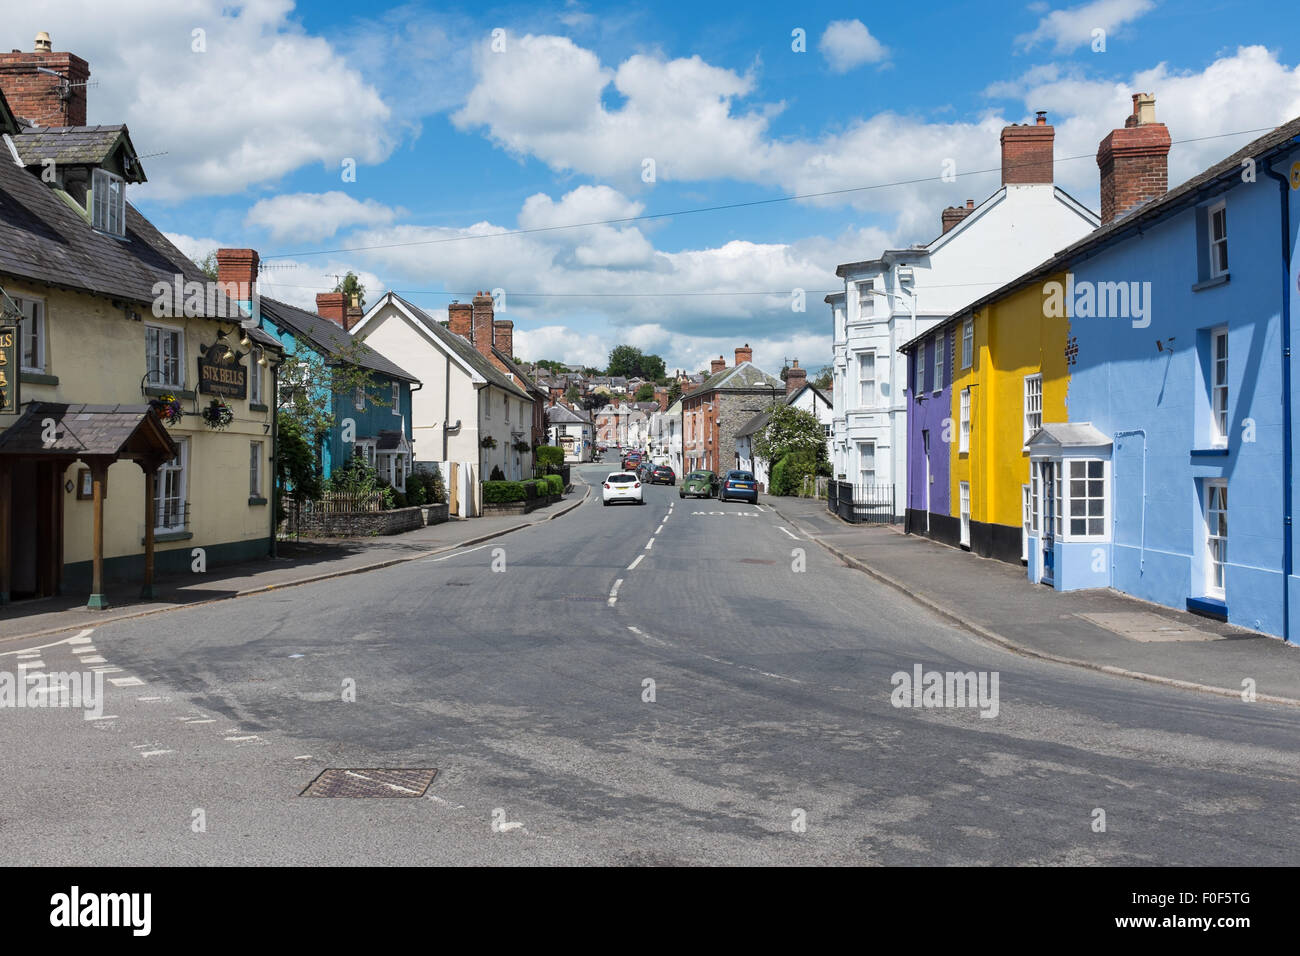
(965, 513)
(1026, 518)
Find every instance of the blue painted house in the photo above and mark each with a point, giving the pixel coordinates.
(374, 421)
(380, 417)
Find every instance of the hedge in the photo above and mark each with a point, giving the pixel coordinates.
(556, 484)
(503, 492)
(548, 455)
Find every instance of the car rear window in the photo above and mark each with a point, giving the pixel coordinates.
(741, 476)
(621, 477)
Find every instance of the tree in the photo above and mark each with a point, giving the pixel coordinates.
(208, 265)
(574, 394)
(628, 361)
(790, 430)
(823, 380)
(350, 285)
(646, 393)
(674, 391)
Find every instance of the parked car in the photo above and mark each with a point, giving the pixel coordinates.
(631, 460)
(738, 484)
(699, 484)
(622, 486)
(662, 475)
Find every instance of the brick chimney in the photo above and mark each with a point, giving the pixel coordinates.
(355, 313)
(333, 306)
(503, 337)
(1027, 152)
(1134, 161)
(955, 214)
(481, 318)
(459, 318)
(237, 273)
(795, 378)
(717, 365)
(44, 99)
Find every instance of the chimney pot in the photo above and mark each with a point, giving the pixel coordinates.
(1027, 152)
(1134, 161)
(237, 273)
(481, 324)
(43, 44)
(334, 307)
(744, 354)
(56, 98)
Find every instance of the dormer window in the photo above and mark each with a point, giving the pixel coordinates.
(109, 212)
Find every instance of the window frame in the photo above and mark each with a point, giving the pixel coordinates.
(1036, 378)
(860, 355)
(967, 343)
(964, 427)
(178, 357)
(1219, 392)
(108, 205)
(396, 397)
(964, 512)
(866, 297)
(178, 466)
(940, 355)
(1070, 499)
(255, 469)
(1215, 558)
(919, 390)
(37, 323)
(872, 446)
(1215, 244)
(255, 376)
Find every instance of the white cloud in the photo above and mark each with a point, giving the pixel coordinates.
(847, 44)
(1073, 27)
(263, 99)
(314, 216)
(195, 248)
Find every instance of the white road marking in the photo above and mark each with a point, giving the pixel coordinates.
(30, 665)
(457, 554)
(660, 528)
(93, 659)
(106, 669)
(650, 544)
(206, 720)
(105, 717)
(636, 562)
(81, 638)
(240, 739)
(390, 786)
(125, 681)
(149, 698)
(787, 532)
(613, 594)
(445, 803)
(155, 753)
(303, 757)
(86, 649)
(26, 654)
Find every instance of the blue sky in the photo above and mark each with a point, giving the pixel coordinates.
(453, 140)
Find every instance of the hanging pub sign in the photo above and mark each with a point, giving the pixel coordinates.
(220, 372)
(8, 369)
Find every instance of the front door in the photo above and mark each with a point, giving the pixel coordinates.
(1051, 475)
(929, 477)
(36, 528)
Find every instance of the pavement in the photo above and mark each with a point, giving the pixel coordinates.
(298, 561)
(684, 682)
(996, 600)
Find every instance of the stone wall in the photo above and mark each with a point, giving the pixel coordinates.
(362, 524)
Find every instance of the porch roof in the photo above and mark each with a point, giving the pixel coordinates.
(88, 431)
(1067, 435)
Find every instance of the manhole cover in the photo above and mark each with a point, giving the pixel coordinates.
(370, 783)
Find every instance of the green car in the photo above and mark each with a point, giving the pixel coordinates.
(699, 484)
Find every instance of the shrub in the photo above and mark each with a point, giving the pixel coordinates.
(548, 456)
(532, 488)
(497, 474)
(416, 491)
(556, 484)
(503, 492)
(789, 473)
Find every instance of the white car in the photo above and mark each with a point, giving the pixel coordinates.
(622, 486)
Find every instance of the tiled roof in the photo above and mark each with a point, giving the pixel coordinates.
(45, 241)
(88, 430)
(562, 414)
(329, 337)
(461, 346)
(746, 375)
(76, 146)
(1134, 219)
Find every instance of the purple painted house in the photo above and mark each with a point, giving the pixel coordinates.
(930, 429)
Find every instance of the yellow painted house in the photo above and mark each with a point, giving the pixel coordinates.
(102, 344)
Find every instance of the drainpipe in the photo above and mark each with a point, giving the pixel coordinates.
(1284, 187)
(1142, 552)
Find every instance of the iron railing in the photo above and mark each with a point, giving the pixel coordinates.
(865, 503)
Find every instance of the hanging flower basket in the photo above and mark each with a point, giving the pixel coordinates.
(522, 447)
(168, 408)
(218, 415)
(489, 442)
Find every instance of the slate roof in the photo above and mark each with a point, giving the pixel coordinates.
(390, 440)
(76, 146)
(1135, 219)
(88, 430)
(461, 346)
(43, 240)
(746, 375)
(329, 337)
(524, 380)
(563, 415)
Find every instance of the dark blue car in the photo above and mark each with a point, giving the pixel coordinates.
(738, 485)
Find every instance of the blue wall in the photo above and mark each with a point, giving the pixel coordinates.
(1122, 382)
(930, 413)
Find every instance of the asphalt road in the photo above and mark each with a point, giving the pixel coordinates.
(771, 737)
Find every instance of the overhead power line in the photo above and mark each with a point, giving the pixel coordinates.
(623, 220)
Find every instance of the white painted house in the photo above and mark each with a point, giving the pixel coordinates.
(465, 400)
(799, 394)
(899, 295)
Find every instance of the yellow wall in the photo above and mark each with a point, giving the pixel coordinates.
(98, 356)
(1012, 339)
